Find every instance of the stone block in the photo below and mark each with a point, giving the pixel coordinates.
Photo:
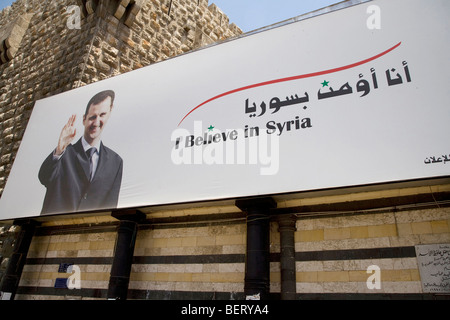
(382, 231)
(336, 234)
(309, 235)
(440, 226)
(421, 227)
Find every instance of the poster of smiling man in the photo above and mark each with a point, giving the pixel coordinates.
(338, 100)
(85, 175)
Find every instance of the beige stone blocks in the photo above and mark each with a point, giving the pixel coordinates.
(389, 226)
(383, 230)
(194, 241)
(359, 232)
(92, 276)
(189, 277)
(74, 245)
(399, 275)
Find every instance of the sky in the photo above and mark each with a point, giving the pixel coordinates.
(254, 14)
(5, 3)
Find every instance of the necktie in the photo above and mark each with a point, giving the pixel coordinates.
(90, 152)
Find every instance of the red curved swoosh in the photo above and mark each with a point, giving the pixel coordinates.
(303, 76)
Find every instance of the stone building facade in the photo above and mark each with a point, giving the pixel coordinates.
(316, 245)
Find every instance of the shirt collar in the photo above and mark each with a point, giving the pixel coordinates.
(87, 146)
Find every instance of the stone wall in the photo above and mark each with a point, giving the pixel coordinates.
(334, 253)
(170, 262)
(205, 258)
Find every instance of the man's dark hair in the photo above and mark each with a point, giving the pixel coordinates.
(100, 97)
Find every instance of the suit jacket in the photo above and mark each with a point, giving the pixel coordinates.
(68, 185)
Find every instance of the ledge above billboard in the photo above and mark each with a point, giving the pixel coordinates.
(338, 100)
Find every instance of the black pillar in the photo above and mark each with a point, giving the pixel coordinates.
(286, 226)
(257, 262)
(13, 272)
(123, 254)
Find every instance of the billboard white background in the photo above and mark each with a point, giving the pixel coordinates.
(384, 136)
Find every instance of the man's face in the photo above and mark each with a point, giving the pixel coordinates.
(96, 119)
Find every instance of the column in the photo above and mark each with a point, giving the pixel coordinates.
(286, 226)
(257, 262)
(123, 254)
(14, 271)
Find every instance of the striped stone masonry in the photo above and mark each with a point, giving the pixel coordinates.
(206, 259)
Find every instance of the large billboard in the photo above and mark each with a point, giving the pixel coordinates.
(353, 97)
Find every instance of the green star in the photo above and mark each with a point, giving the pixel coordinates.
(211, 128)
(325, 83)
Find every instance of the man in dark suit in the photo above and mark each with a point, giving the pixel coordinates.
(85, 175)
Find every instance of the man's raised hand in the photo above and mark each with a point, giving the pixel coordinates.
(67, 135)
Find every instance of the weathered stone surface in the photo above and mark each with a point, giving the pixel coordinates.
(11, 36)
